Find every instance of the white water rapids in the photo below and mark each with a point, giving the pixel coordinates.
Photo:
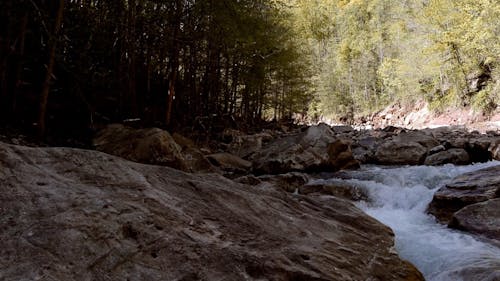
(398, 197)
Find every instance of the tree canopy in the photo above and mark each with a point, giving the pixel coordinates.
(77, 63)
(165, 62)
(370, 53)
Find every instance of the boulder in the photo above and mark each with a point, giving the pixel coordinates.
(342, 129)
(406, 148)
(194, 158)
(396, 152)
(480, 218)
(364, 148)
(456, 141)
(70, 214)
(494, 149)
(420, 137)
(478, 149)
(248, 179)
(229, 163)
(245, 146)
(289, 182)
(336, 188)
(149, 146)
(306, 151)
(340, 155)
(437, 149)
(466, 189)
(457, 156)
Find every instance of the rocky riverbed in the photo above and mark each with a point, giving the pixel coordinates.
(248, 208)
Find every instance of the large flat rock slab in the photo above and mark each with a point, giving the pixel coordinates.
(68, 214)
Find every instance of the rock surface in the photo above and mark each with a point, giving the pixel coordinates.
(336, 188)
(418, 115)
(69, 214)
(494, 149)
(480, 218)
(194, 159)
(149, 146)
(396, 152)
(289, 182)
(231, 164)
(466, 189)
(457, 156)
(340, 155)
(302, 152)
(246, 145)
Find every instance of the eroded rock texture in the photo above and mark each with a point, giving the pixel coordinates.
(69, 214)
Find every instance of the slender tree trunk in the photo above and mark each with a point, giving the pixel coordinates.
(19, 70)
(132, 59)
(226, 85)
(174, 69)
(50, 68)
(234, 87)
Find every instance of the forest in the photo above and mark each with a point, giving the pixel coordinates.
(70, 66)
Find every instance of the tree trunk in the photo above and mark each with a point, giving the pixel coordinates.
(174, 65)
(19, 69)
(50, 68)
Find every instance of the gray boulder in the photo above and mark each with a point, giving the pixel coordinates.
(457, 156)
(494, 149)
(466, 189)
(396, 152)
(480, 218)
(149, 146)
(306, 151)
(230, 164)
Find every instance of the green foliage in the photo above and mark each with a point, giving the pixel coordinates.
(251, 59)
(486, 100)
(122, 59)
(370, 53)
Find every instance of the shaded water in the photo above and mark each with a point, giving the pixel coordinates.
(398, 197)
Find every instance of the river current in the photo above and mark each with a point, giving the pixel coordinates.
(398, 197)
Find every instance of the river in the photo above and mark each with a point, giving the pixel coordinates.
(398, 197)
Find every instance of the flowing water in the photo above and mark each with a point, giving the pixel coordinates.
(398, 197)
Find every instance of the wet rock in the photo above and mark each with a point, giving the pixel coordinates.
(467, 189)
(70, 214)
(149, 146)
(306, 151)
(457, 156)
(337, 188)
(480, 218)
(396, 152)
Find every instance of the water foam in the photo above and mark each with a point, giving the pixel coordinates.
(398, 197)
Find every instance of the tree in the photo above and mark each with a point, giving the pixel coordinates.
(50, 69)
